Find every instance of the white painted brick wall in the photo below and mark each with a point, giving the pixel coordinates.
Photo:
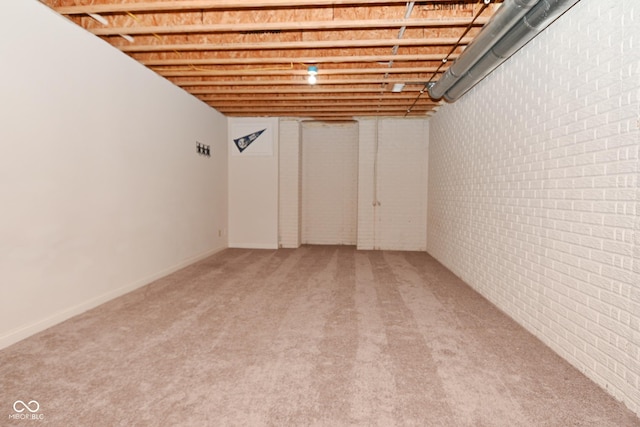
(366, 154)
(399, 222)
(401, 215)
(289, 181)
(534, 190)
(394, 175)
(329, 182)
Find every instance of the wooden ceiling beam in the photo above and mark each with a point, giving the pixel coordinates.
(287, 26)
(190, 72)
(324, 103)
(294, 90)
(298, 82)
(318, 114)
(296, 60)
(335, 98)
(363, 103)
(357, 57)
(277, 110)
(326, 117)
(308, 44)
(188, 5)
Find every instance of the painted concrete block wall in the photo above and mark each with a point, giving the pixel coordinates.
(329, 183)
(253, 185)
(366, 184)
(392, 169)
(401, 213)
(101, 188)
(290, 188)
(534, 190)
(392, 203)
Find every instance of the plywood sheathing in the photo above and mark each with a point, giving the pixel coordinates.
(251, 58)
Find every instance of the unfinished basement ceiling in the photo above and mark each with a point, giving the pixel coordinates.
(251, 57)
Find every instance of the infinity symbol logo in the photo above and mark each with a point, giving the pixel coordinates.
(26, 406)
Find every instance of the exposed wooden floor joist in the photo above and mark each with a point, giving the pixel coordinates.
(259, 51)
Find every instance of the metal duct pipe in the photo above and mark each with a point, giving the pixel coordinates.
(506, 17)
(497, 49)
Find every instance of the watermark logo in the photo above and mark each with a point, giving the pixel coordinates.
(33, 406)
(26, 411)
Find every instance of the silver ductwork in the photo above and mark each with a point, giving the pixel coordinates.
(510, 28)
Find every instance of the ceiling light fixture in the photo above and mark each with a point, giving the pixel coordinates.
(397, 88)
(312, 70)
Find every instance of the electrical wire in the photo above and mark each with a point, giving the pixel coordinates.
(191, 67)
(394, 50)
(485, 4)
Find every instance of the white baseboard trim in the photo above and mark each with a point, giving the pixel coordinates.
(253, 246)
(23, 332)
(289, 246)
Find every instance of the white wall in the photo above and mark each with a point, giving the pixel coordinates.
(534, 193)
(392, 177)
(329, 183)
(101, 188)
(392, 170)
(290, 178)
(253, 185)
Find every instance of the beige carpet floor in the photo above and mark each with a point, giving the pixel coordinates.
(316, 336)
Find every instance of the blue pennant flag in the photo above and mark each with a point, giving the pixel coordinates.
(244, 141)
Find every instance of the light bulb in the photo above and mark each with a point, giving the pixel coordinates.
(312, 70)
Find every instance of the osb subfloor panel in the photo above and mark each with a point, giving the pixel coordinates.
(251, 58)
